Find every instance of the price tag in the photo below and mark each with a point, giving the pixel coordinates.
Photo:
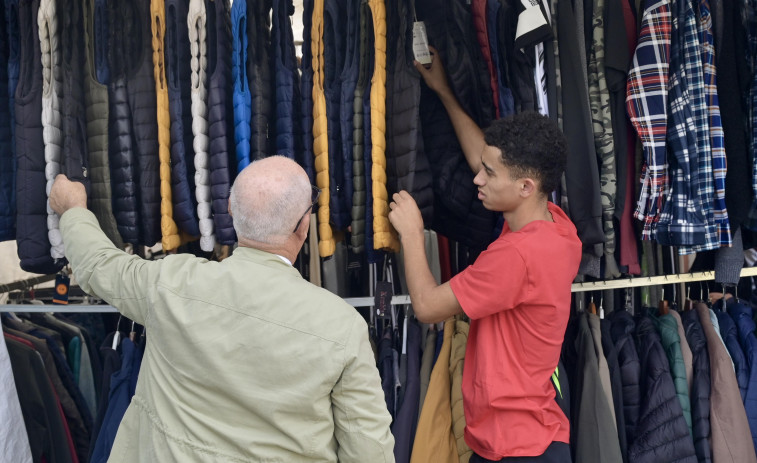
(420, 44)
(62, 283)
(383, 298)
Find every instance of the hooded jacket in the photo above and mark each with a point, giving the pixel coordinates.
(169, 230)
(179, 81)
(31, 221)
(220, 116)
(196, 23)
(241, 84)
(700, 385)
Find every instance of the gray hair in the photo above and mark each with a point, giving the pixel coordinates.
(266, 208)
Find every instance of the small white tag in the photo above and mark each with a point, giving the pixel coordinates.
(420, 43)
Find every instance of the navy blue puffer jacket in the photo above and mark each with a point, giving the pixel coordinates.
(178, 74)
(220, 116)
(306, 92)
(31, 199)
(242, 95)
(260, 75)
(101, 34)
(288, 130)
(7, 157)
(349, 77)
(660, 407)
(622, 327)
(700, 385)
(730, 335)
(742, 315)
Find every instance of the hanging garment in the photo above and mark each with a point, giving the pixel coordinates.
(52, 119)
(111, 363)
(668, 330)
(34, 249)
(530, 29)
(604, 369)
(731, 438)
(7, 158)
(288, 130)
(646, 103)
(730, 335)
(406, 421)
(179, 81)
(359, 183)
(478, 11)
(350, 74)
(456, 360)
(434, 440)
(688, 357)
(121, 149)
(261, 79)
(220, 113)
(15, 440)
(593, 426)
(169, 231)
(660, 408)
(140, 84)
(242, 96)
(700, 387)
(407, 165)
(97, 114)
(496, 14)
(742, 315)
(101, 38)
(326, 246)
(622, 327)
(45, 424)
(196, 23)
(616, 384)
(427, 363)
(306, 91)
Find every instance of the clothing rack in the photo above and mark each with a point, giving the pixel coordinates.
(402, 299)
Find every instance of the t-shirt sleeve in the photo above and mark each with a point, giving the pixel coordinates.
(497, 281)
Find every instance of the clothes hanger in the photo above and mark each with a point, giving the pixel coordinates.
(601, 309)
(688, 304)
(592, 307)
(662, 307)
(117, 335)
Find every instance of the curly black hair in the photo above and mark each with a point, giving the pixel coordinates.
(531, 145)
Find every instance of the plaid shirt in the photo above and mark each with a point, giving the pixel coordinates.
(646, 103)
(720, 214)
(681, 223)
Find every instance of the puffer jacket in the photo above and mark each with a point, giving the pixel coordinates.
(384, 235)
(730, 335)
(660, 408)
(456, 360)
(7, 161)
(121, 152)
(52, 119)
(478, 10)
(260, 75)
(306, 92)
(288, 130)
(667, 327)
(406, 162)
(458, 214)
(198, 46)
(622, 328)
(742, 315)
(334, 40)
(616, 384)
(326, 244)
(168, 229)
(96, 112)
(9, 182)
(242, 95)
(350, 74)
(101, 34)
(31, 221)
(144, 116)
(372, 255)
(496, 13)
(179, 78)
(359, 184)
(700, 385)
(220, 115)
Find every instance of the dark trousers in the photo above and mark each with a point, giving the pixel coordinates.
(557, 452)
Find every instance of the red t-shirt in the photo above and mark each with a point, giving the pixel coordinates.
(517, 295)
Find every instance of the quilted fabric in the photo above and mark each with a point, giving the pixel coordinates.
(198, 46)
(242, 102)
(350, 75)
(260, 75)
(7, 157)
(306, 92)
(178, 77)
(359, 197)
(288, 129)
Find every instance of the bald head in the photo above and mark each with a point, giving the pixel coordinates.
(268, 198)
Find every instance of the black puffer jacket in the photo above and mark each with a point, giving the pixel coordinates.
(616, 382)
(7, 158)
(288, 128)
(350, 75)
(407, 166)
(178, 74)
(458, 213)
(306, 92)
(660, 407)
(220, 116)
(622, 328)
(700, 385)
(260, 74)
(31, 200)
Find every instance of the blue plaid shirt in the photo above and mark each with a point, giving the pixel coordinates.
(681, 222)
(646, 104)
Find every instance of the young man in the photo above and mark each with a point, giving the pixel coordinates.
(517, 293)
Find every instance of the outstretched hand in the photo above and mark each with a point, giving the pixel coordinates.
(405, 215)
(434, 76)
(66, 195)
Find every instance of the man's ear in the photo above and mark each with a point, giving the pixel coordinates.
(528, 187)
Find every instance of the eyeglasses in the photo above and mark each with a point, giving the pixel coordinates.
(314, 195)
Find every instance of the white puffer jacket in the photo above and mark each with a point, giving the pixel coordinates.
(52, 91)
(199, 62)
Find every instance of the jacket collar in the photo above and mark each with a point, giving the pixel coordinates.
(263, 258)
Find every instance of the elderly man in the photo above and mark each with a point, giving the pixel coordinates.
(246, 361)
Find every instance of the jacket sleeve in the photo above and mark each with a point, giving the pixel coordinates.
(361, 420)
(125, 281)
